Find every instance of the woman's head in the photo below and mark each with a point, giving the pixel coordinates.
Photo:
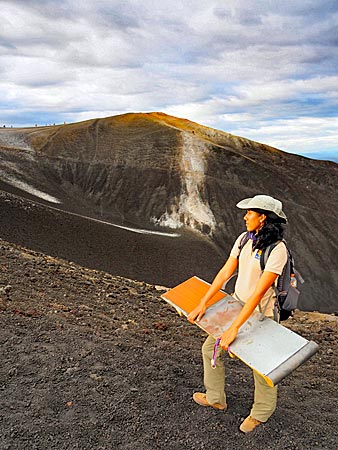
(255, 219)
(265, 218)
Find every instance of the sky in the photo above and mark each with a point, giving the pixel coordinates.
(266, 70)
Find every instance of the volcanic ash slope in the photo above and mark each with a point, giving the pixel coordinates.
(153, 173)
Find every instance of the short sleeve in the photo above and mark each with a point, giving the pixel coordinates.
(235, 249)
(277, 259)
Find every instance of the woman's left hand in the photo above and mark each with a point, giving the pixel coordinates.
(228, 337)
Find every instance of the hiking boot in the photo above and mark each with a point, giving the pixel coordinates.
(201, 399)
(249, 424)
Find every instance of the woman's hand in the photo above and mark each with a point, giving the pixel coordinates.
(228, 337)
(197, 313)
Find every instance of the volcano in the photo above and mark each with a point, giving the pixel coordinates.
(152, 197)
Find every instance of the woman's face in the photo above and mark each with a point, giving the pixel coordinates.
(254, 220)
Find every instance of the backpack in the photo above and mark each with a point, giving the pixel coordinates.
(286, 286)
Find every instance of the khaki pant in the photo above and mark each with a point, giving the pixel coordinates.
(265, 398)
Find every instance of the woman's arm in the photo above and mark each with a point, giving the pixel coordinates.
(266, 280)
(223, 275)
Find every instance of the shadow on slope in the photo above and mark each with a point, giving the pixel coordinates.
(152, 258)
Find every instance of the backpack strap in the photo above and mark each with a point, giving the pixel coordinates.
(243, 241)
(266, 253)
(262, 261)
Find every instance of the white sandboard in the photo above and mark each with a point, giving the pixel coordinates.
(264, 345)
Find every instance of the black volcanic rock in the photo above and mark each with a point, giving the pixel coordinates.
(165, 175)
(94, 361)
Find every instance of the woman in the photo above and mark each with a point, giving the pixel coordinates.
(264, 220)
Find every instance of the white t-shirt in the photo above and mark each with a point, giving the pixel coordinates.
(249, 271)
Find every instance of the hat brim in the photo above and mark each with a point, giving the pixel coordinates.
(243, 204)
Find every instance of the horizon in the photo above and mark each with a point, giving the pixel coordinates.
(263, 71)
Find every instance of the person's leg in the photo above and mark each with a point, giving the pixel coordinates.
(214, 379)
(265, 399)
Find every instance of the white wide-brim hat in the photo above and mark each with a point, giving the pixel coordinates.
(263, 202)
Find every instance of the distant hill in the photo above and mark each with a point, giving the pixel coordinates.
(167, 176)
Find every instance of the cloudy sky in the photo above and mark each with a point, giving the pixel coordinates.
(265, 69)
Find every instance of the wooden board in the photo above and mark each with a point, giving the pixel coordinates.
(264, 345)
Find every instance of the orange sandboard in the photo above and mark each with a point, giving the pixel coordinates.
(264, 345)
(186, 296)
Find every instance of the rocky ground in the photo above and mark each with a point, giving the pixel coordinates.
(93, 361)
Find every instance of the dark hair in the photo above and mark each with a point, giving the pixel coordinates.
(271, 232)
